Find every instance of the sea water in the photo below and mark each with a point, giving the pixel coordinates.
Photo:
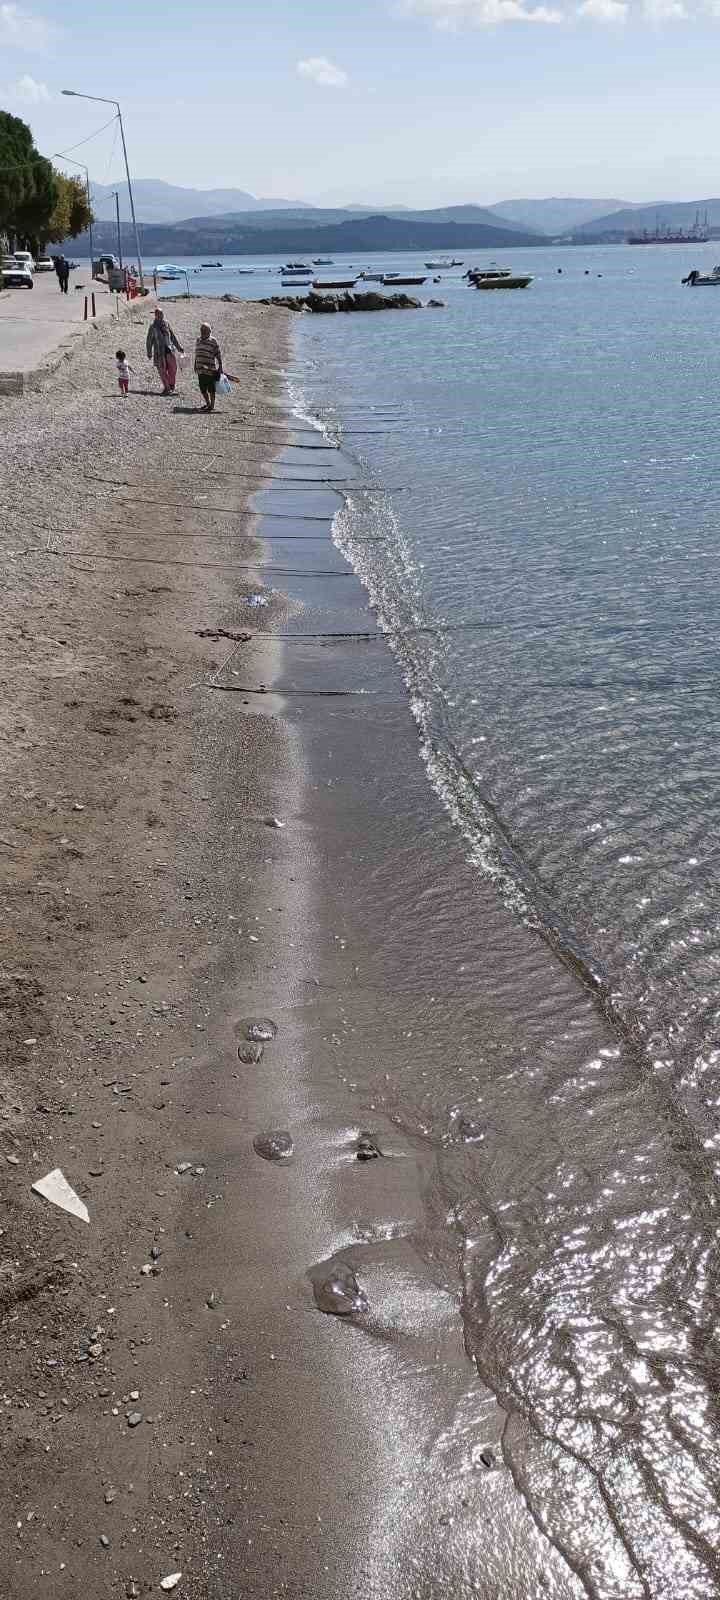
(541, 547)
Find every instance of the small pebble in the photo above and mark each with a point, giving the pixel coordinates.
(105, 1542)
(133, 1418)
(110, 1495)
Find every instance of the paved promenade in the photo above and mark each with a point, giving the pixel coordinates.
(35, 325)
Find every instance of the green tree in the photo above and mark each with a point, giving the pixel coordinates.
(28, 187)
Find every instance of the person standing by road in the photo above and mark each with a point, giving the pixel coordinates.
(161, 345)
(208, 365)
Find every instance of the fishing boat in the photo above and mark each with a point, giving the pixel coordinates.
(494, 277)
(296, 266)
(703, 280)
(166, 269)
(295, 282)
(211, 263)
(372, 277)
(395, 281)
(323, 261)
(443, 262)
(334, 283)
(502, 283)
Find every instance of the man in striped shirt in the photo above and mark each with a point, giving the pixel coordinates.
(208, 364)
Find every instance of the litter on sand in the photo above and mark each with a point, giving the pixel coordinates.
(256, 600)
(55, 1188)
(172, 1581)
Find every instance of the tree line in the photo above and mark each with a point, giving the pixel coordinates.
(38, 204)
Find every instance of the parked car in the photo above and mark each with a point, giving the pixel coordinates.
(44, 264)
(15, 275)
(25, 259)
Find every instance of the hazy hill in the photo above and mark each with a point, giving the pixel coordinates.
(218, 236)
(156, 201)
(665, 213)
(554, 216)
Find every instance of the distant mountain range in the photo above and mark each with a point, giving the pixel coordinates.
(181, 221)
(673, 214)
(555, 216)
(313, 232)
(156, 201)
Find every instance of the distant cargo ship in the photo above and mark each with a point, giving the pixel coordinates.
(698, 234)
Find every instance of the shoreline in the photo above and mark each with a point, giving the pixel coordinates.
(281, 1450)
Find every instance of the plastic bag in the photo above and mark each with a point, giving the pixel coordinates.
(223, 385)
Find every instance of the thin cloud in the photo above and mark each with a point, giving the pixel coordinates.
(26, 92)
(319, 70)
(604, 10)
(20, 30)
(452, 14)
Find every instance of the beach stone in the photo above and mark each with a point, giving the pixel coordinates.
(133, 1418)
(251, 1054)
(273, 1146)
(367, 1149)
(470, 1131)
(340, 1295)
(261, 1029)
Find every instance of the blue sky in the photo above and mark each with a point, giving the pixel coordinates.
(425, 102)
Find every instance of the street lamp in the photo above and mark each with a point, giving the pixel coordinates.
(60, 156)
(102, 100)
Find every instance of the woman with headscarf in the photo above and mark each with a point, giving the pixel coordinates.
(161, 345)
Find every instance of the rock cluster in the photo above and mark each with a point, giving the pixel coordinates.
(371, 300)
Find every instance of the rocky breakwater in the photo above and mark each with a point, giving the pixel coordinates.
(347, 301)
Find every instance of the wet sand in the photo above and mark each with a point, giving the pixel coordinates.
(151, 911)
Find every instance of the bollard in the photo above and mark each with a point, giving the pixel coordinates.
(93, 304)
(85, 315)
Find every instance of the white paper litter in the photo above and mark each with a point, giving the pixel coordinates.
(55, 1188)
(171, 1581)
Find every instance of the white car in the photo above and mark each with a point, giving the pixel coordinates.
(15, 275)
(44, 264)
(25, 259)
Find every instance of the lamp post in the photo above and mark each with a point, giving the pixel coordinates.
(103, 100)
(60, 156)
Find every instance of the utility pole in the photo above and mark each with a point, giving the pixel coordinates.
(104, 101)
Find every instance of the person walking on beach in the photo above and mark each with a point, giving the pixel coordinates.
(208, 365)
(161, 346)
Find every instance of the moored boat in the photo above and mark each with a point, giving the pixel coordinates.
(334, 283)
(296, 282)
(502, 283)
(702, 280)
(395, 280)
(443, 262)
(495, 277)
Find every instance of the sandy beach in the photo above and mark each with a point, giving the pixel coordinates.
(174, 1399)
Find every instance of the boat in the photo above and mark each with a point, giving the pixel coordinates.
(443, 262)
(491, 271)
(295, 283)
(323, 261)
(372, 277)
(211, 263)
(334, 283)
(506, 280)
(166, 269)
(297, 266)
(701, 280)
(394, 280)
(699, 233)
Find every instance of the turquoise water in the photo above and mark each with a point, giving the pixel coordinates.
(549, 502)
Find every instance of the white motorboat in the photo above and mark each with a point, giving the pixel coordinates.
(703, 280)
